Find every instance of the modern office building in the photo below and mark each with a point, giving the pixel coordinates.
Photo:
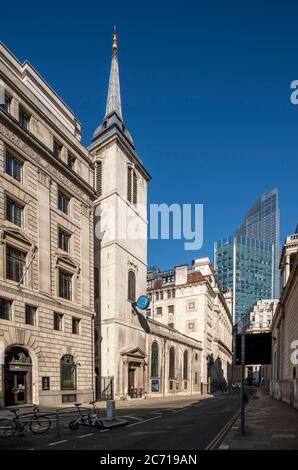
(262, 222)
(245, 267)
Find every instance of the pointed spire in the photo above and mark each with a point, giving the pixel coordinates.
(114, 97)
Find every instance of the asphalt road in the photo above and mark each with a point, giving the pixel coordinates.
(182, 424)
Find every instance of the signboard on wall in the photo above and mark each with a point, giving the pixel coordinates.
(45, 382)
(155, 385)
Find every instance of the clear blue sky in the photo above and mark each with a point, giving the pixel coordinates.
(205, 94)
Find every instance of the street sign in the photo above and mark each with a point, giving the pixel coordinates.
(142, 303)
(257, 349)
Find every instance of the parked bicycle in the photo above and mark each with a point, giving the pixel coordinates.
(92, 418)
(37, 423)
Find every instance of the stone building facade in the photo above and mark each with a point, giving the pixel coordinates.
(284, 371)
(142, 356)
(46, 244)
(188, 299)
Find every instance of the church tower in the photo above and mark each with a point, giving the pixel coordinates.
(120, 182)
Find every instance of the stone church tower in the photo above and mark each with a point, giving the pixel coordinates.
(120, 182)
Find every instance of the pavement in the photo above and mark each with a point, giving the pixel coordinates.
(269, 425)
(176, 423)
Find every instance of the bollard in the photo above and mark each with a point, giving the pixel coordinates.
(111, 410)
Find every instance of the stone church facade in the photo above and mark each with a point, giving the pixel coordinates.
(144, 357)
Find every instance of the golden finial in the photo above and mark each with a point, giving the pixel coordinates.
(115, 45)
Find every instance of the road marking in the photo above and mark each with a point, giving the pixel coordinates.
(85, 435)
(132, 417)
(105, 430)
(156, 413)
(58, 442)
(144, 421)
(179, 411)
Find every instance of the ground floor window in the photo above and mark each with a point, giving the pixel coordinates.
(68, 373)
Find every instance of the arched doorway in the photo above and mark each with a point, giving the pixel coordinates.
(17, 376)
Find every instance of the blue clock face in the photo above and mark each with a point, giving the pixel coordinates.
(143, 302)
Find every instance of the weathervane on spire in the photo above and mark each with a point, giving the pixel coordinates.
(115, 45)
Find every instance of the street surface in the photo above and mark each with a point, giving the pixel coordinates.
(177, 424)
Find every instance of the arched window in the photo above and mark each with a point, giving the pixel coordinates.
(129, 185)
(154, 359)
(172, 363)
(132, 185)
(98, 178)
(135, 188)
(68, 370)
(185, 365)
(131, 286)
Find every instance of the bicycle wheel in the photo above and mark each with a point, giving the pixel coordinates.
(40, 424)
(8, 427)
(74, 425)
(99, 424)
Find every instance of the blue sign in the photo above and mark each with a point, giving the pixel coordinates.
(143, 302)
(154, 385)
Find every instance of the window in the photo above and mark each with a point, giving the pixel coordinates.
(157, 296)
(13, 167)
(71, 161)
(129, 185)
(15, 264)
(30, 315)
(159, 311)
(14, 212)
(58, 321)
(161, 295)
(171, 310)
(57, 149)
(172, 363)
(131, 286)
(132, 185)
(171, 325)
(76, 326)
(68, 372)
(196, 378)
(98, 178)
(173, 294)
(63, 240)
(135, 188)
(23, 119)
(169, 294)
(154, 360)
(65, 285)
(63, 202)
(5, 309)
(185, 365)
(148, 313)
(6, 104)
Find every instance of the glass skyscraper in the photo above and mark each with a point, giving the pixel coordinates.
(245, 267)
(262, 223)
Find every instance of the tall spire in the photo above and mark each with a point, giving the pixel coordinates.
(114, 97)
